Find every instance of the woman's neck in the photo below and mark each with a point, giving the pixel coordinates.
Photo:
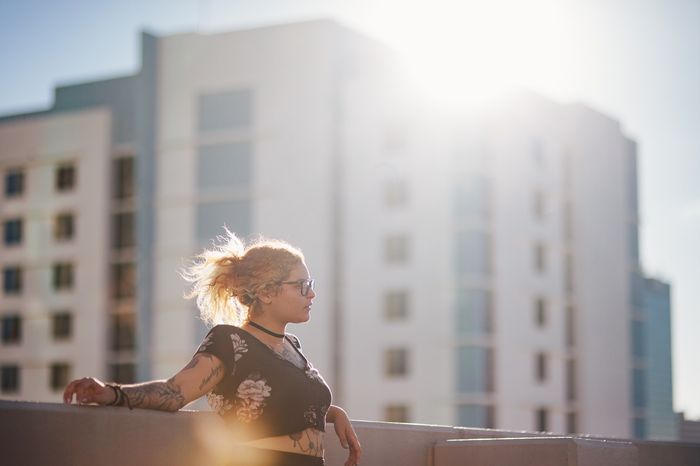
(270, 330)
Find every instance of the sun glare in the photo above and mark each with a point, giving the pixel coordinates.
(458, 52)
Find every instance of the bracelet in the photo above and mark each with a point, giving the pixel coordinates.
(117, 394)
(120, 396)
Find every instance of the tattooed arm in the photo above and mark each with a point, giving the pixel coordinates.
(198, 377)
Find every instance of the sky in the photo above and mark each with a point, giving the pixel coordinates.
(637, 61)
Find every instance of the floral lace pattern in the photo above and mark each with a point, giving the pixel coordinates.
(315, 413)
(251, 396)
(239, 347)
(218, 403)
(206, 343)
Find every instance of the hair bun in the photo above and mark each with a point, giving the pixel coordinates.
(246, 297)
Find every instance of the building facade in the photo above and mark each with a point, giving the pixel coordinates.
(474, 267)
(661, 423)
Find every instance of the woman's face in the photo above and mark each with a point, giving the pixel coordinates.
(289, 305)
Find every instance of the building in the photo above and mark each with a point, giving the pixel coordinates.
(474, 267)
(656, 398)
(689, 429)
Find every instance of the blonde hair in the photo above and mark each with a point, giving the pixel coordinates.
(227, 278)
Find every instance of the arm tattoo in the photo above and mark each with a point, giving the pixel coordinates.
(162, 394)
(195, 360)
(215, 371)
(192, 364)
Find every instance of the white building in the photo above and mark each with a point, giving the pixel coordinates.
(473, 268)
(55, 211)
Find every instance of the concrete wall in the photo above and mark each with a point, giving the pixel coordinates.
(40, 434)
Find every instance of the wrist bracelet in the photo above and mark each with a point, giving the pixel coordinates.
(117, 393)
(120, 396)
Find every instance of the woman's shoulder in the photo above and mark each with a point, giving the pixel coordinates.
(223, 332)
(219, 328)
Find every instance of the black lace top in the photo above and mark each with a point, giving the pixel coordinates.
(262, 394)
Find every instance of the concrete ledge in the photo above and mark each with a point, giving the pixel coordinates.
(535, 451)
(36, 434)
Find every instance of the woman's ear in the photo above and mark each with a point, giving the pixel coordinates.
(266, 294)
(265, 298)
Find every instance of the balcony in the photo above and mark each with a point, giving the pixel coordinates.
(54, 434)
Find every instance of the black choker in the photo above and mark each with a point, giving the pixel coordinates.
(268, 331)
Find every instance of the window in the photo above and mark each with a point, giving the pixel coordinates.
(14, 182)
(65, 177)
(540, 311)
(224, 165)
(11, 329)
(123, 230)
(396, 249)
(570, 326)
(395, 193)
(123, 372)
(571, 423)
(471, 197)
(212, 216)
(570, 379)
(124, 177)
(60, 376)
(9, 378)
(62, 325)
(123, 280)
(13, 231)
(474, 369)
(396, 305)
(540, 257)
(62, 276)
(638, 339)
(541, 420)
(473, 415)
(568, 221)
(396, 413)
(472, 254)
(64, 226)
(123, 332)
(538, 206)
(396, 362)
(541, 367)
(639, 389)
(226, 110)
(473, 312)
(569, 272)
(12, 280)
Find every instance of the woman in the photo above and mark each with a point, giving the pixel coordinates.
(253, 372)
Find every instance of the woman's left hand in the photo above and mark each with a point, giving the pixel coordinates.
(346, 434)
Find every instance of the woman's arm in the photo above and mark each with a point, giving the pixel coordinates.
(198, 377)
(346, 434)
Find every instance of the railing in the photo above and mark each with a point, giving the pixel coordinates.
(52, 434)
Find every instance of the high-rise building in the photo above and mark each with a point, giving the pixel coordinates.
(474, 267)
(659, 422)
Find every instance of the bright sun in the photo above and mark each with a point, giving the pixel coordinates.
(460, 51)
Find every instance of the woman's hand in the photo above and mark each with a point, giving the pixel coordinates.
(346, 434)
(88, 390)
